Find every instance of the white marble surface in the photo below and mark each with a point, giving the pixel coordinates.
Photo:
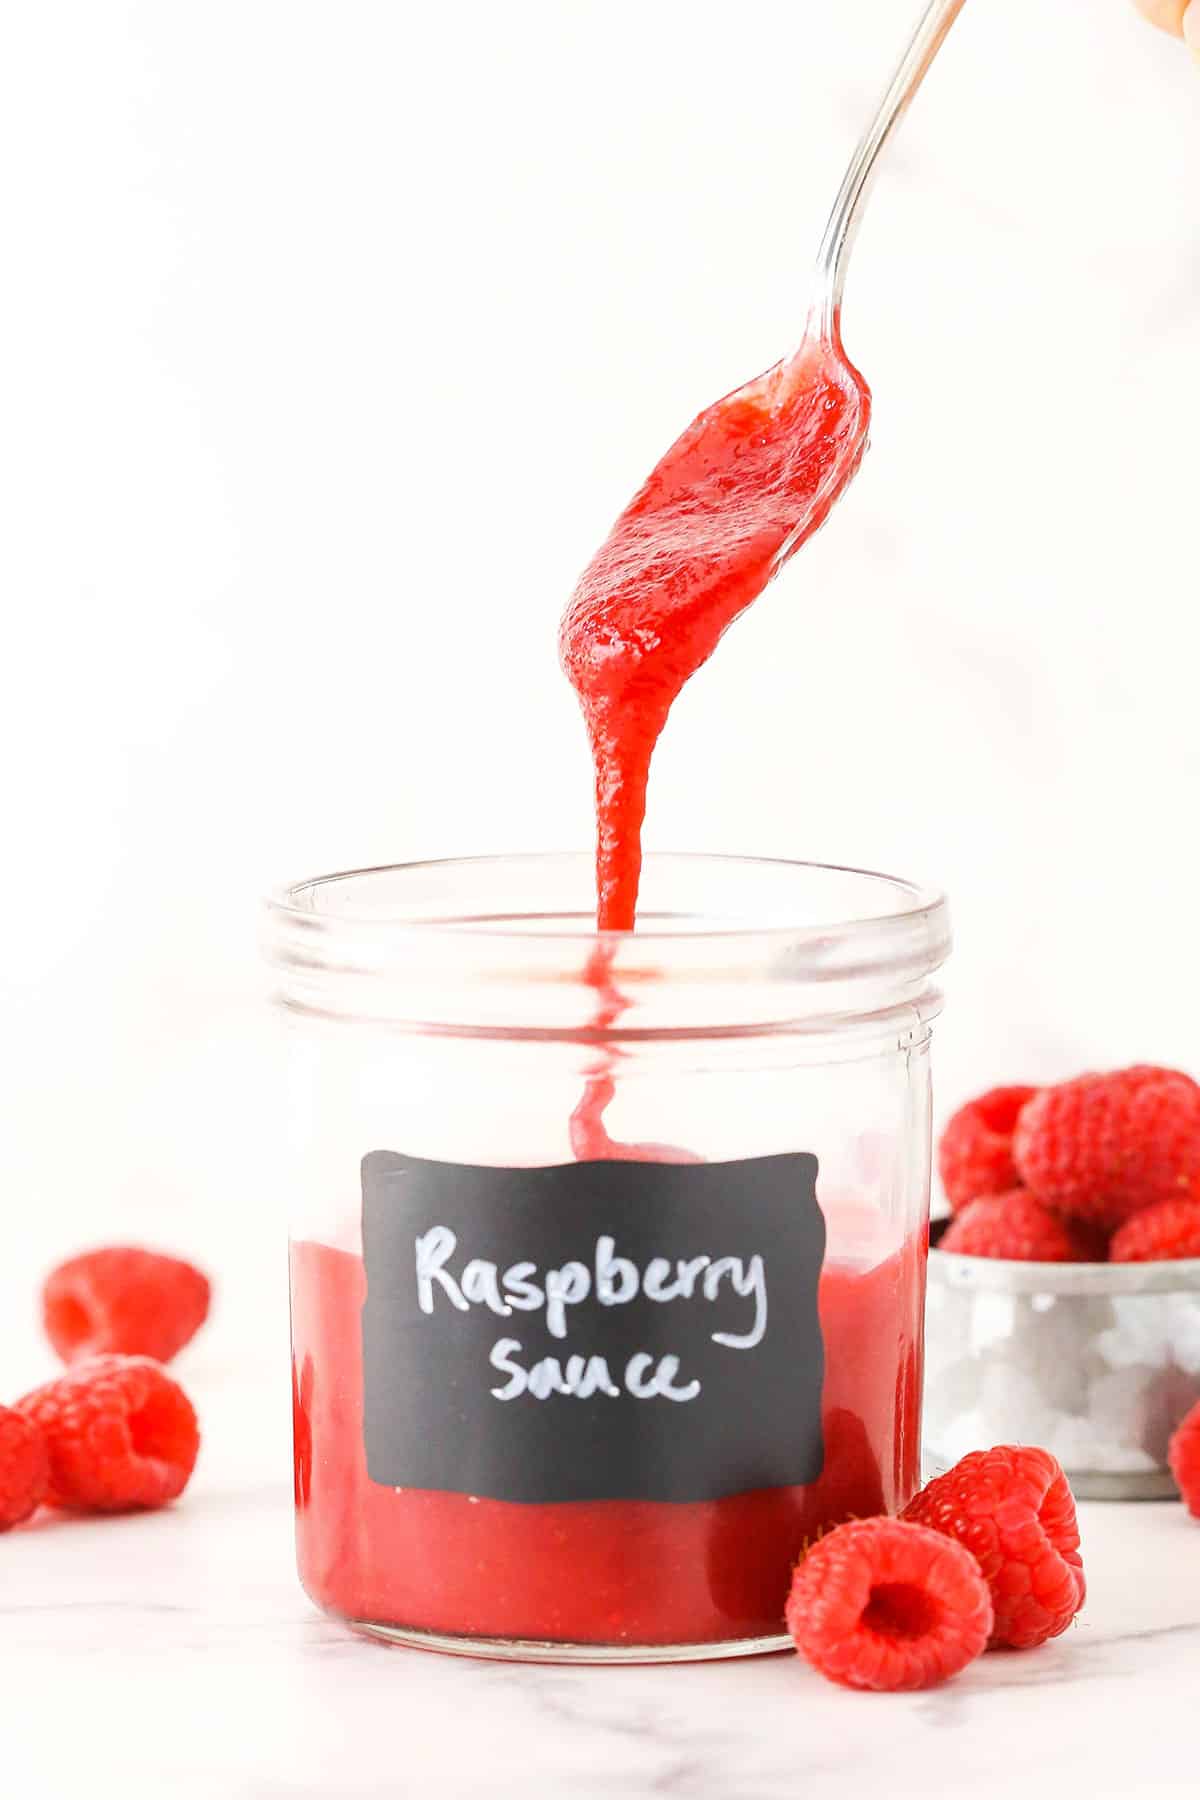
(243, 278)
(174, 1654)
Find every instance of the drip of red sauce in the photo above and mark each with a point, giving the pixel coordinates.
(750, 479)
(590, 1137)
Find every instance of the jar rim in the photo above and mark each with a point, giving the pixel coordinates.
(492, 943)
(285, 902)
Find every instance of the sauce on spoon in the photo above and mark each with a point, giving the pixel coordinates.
(747, 483)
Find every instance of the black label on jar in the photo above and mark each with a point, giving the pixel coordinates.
(592, 1331)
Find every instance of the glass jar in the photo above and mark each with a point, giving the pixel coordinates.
(608, 1254)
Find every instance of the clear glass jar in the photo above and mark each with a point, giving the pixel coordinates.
(450, 1025)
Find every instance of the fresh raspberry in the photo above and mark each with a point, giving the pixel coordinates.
(882, 1604)
(133, 1302)
(1013, 1510)
(121, 1434)
(1139, 1072)
(1162, 1233)
(975, 1154)
(24, 1468)
(1020, 1228)
(1184, 1457)
(1104, 1146)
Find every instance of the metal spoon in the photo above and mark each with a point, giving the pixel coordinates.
(834, 254)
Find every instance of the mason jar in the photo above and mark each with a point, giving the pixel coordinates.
(608, 1252)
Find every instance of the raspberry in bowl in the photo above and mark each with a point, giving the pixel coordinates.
(1066, 1311)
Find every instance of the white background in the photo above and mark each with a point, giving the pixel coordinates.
(332, 337)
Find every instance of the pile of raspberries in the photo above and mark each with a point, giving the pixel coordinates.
(1105, 1168)
(986, 1557)
(114, 1433)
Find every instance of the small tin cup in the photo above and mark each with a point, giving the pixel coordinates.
(1097, 1362)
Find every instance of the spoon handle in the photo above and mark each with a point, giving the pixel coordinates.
(840, 232)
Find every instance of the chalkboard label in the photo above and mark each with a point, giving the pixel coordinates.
(592, 1331)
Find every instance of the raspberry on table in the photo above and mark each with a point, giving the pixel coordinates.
(120, 1434)
(975, 1152)
(1013, 1509)
(1020, 1228)
(1163, 1233)
(126, 1301)
(1183, 1455)
(1102, 1147)
(882, 1604)
(24, 1468)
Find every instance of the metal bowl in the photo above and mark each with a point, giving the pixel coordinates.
(1097, 1362)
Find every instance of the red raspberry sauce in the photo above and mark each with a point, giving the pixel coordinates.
(750, 479)
(597, 1572)
(745, 485)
